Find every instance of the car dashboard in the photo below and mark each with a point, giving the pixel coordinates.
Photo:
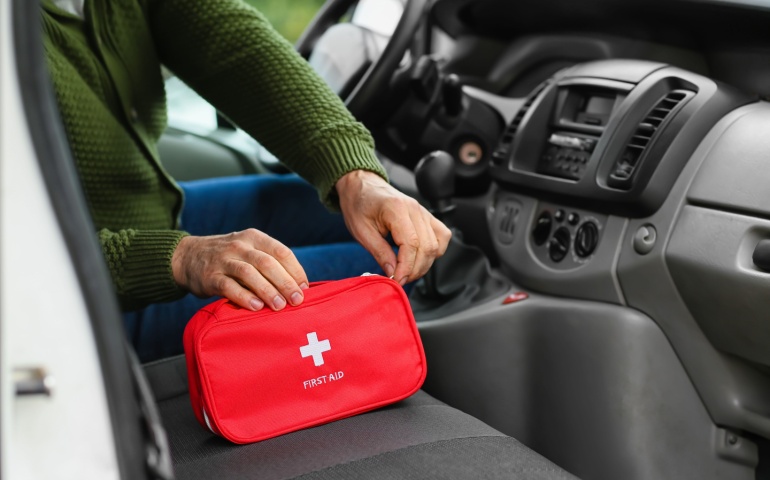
(628, 203)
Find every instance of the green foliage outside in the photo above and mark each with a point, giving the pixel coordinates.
(289, 17)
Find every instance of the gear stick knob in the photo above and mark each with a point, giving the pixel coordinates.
(435, 176)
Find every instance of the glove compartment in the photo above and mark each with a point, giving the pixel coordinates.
(711, 248)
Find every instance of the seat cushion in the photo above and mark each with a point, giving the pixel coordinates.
(419, 437)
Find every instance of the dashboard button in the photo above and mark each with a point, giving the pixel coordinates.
(558, 215)
(586, 239)
(558, 247)
(573, 218)
(542, 228)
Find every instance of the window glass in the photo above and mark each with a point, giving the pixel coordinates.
(289, 17)
(188, 111)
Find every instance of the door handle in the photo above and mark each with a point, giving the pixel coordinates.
(32, 381)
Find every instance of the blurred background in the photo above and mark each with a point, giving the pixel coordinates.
(289, 17)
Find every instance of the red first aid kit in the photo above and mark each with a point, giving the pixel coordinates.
(351, 346)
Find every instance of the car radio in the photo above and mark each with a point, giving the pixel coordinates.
(580, 115)
(567, 155)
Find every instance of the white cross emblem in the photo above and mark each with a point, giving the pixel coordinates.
(315, 349)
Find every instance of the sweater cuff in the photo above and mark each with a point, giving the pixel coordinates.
(146, 274)
(339, 156)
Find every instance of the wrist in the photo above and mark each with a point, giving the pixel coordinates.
(351, 182)
(179, 260)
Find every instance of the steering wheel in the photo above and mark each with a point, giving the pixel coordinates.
(370, 94)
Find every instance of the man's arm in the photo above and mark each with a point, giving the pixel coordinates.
(134, 258)
(231, 55)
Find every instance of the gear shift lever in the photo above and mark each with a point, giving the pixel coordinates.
(435, 176)
(463, 276)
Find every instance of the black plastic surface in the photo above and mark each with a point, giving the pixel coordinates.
(435, 176)
(542, 230)
(761, 255)
(463, 278)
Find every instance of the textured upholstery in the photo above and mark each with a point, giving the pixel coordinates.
(419, 437)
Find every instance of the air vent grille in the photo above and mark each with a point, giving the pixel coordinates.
(503, 149)
(623, 172)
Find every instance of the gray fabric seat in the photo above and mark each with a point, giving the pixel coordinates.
(419, 437)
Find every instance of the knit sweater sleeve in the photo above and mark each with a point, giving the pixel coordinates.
(229, 53)
(140, 265)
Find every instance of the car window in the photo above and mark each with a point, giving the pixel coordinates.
(188, 111)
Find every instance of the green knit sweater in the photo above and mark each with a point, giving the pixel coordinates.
(107, 77)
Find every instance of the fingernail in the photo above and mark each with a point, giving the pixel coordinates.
(403, 281)
(389, 270)
(296, 298)
(278, 302)
(304, 286)
(256, 304)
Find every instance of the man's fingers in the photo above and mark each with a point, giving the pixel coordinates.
(277, 264)
(427, 248)
(443, 234)
(274, 272)
(249, 276)
(408, 241)
(284, 256)
(375, 244)
(233, 291)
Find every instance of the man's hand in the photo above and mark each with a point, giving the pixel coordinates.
(373, 208)
(249, 268)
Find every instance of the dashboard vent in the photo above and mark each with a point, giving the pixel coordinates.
(503, 149)
(624, 169)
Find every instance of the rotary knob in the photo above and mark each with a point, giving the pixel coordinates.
(558, 247)
(586, 239)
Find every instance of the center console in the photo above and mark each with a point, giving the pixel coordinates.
(592, 147)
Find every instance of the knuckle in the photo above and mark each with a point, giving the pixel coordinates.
(237, 246)
(413, 240)
(265, 290)
(432, 248)
(408, 203)
(264, 262)
(251, 233)
(241, 269)
(288, 285)
(282, 252)
(220, 284)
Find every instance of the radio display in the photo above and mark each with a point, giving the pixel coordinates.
(595, 110)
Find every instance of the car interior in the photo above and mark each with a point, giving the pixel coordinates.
(602, 309)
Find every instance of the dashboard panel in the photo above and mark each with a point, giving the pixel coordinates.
(631, 173)
(638, 184)
(612, 135)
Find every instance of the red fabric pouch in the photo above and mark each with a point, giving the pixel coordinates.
(350, 347)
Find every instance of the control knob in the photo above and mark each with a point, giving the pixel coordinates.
(586, 239)
(558, 247)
